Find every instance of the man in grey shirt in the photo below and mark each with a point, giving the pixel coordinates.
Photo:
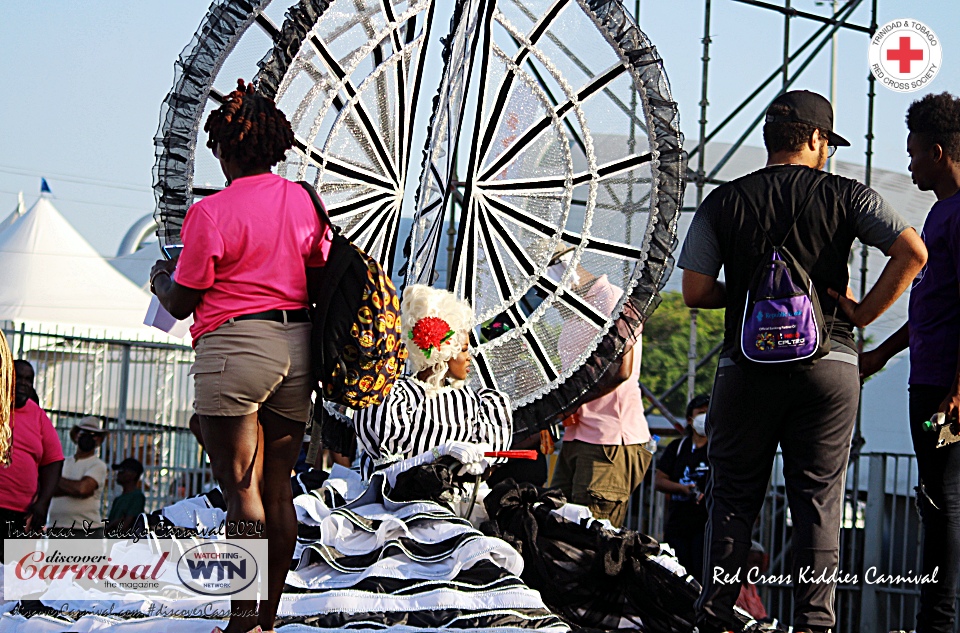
(808, 408)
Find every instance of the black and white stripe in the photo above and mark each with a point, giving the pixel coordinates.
(410, 422)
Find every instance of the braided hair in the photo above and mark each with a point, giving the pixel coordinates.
(7, 388)
(249, 129)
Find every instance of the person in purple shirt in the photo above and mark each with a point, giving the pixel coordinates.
(932, 332)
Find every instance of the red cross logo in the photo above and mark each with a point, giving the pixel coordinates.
(905, 55)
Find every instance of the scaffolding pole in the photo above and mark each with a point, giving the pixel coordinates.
(858, 440)
(827, 33)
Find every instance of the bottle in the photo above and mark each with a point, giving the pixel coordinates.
(935, 422)
(651, 444)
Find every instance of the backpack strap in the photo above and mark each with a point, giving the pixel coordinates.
(803, 207)
(318, 205)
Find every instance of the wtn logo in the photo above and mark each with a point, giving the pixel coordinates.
(224, 569)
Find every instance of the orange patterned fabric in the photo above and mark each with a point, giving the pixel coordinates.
(374, 355)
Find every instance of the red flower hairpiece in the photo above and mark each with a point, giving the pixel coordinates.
(429, 333)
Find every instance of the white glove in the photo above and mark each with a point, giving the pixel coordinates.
(391, 471)
(468, 454)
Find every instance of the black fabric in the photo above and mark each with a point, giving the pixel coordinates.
(446, 618)
(530, 471)
(308, 481)
(356, 346)
(299, 19)
(412, 549)
(810, 413)
(939, 503)
(176, 139)
(483, 575)
(686, 516)
(216, 500)
(593, 577)
(820, 243)
(336, 434)
(11, 521)
(433, 482)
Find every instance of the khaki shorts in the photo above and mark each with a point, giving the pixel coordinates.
(601, 477)
(245, 365)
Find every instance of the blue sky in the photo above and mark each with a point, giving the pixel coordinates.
(83, 83)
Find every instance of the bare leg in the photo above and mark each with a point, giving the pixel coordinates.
(282, 438)
(235, 446)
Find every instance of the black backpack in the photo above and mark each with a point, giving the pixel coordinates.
(357, 349)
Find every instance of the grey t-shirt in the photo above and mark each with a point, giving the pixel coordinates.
(726, 233)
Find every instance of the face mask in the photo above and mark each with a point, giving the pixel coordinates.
(700, 424)
(86, 442)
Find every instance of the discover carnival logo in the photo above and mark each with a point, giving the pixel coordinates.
(204, 570)
(905, 55)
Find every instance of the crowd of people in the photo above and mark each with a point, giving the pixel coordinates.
(242, 274)
(43, 489)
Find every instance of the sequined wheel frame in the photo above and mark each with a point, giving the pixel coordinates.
(553, 128)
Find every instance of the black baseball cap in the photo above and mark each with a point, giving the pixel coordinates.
(130, 464)
(810, 108)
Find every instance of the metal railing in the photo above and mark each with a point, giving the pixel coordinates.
(140, 389)
(143, 392)
(879, 540)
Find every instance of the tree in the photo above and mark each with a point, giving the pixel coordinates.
(666, 342)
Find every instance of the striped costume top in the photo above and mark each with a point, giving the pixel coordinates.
(409, 422)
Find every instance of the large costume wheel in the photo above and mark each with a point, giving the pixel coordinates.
(553, 129)
(574, 144)
(347, 73)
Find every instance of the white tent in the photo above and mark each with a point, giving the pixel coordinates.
(52, 276)
(136, 266)
(16, 215)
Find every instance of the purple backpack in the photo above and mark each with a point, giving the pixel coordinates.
(782, 319)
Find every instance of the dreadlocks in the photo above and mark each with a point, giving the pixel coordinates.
(249, 129)
(6, 401)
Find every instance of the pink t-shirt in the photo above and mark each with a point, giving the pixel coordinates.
(248, 247)
(35, 444)
(616, 418)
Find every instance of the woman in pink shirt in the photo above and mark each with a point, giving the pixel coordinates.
(242, 273)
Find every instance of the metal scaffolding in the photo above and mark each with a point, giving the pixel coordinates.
(794, 61)
(854, 612)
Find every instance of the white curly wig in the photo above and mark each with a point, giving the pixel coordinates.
(421, 301)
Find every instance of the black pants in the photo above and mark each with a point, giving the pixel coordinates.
(532, 471)
(810, 412)
(10, 521)
(939, 505)
(689, 549)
